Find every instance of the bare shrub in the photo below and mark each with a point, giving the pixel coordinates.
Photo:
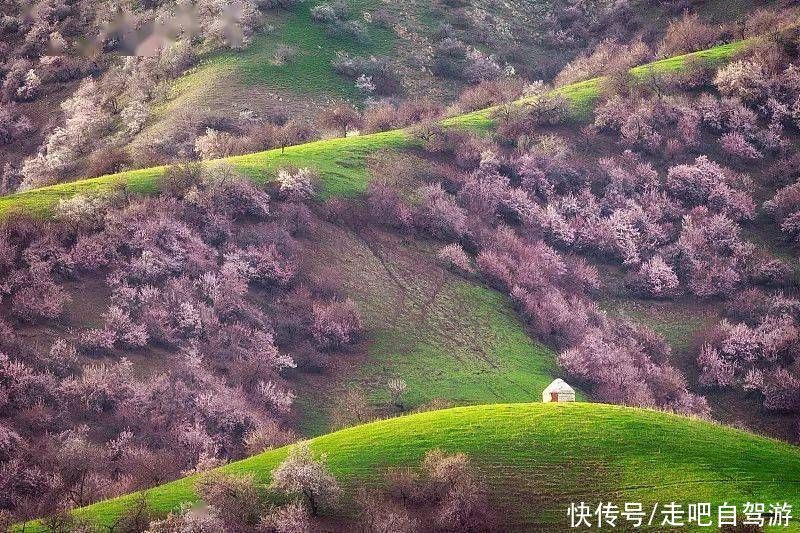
(688, 34)
(291, 518)
(341, 117)
(488, 93)
(234, 499)
(381, 515)
(179, 179)
(608, 56)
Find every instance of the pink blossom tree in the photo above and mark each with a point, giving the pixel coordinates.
(656, 278)
(453, 255)
(303, 475)
(440, 214)
(336, 324)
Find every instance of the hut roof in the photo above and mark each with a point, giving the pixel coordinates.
(558, 385)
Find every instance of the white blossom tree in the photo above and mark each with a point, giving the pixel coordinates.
(304, 475)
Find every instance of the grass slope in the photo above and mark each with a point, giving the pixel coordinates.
(537, 458)
(227, 77)
(309, 71)
(340, 162)
(446, 337)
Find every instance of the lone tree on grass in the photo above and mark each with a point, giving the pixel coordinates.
(397, 389)
(304, 475)
(341, 117)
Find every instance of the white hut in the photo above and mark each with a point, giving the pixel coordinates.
(558, 391)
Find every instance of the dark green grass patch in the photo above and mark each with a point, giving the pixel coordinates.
(309, 69)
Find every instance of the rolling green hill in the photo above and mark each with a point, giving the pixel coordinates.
(340, 162)
(538, 458)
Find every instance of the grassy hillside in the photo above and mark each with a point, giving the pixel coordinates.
(397, 30)
(309, 72)
(340, 162)
(228, 82)
(537, 458)
(446, 337)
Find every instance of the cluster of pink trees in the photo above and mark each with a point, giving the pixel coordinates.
(672, 125)
(668, 124)
(42, 51)
(627, 362)
(440, 213)
(675, 227)
(674, 224)
(701, 204)
(453, 58)
(13, 124)
(386, 207)
(759, 95)
(711, 254)
(691, 238)
(784, 207)
(181, 272)
(336, 324)
(767, 80)
(706, 183)
(507, 225)
(33, 263)
(674, 233)
(755, 350)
